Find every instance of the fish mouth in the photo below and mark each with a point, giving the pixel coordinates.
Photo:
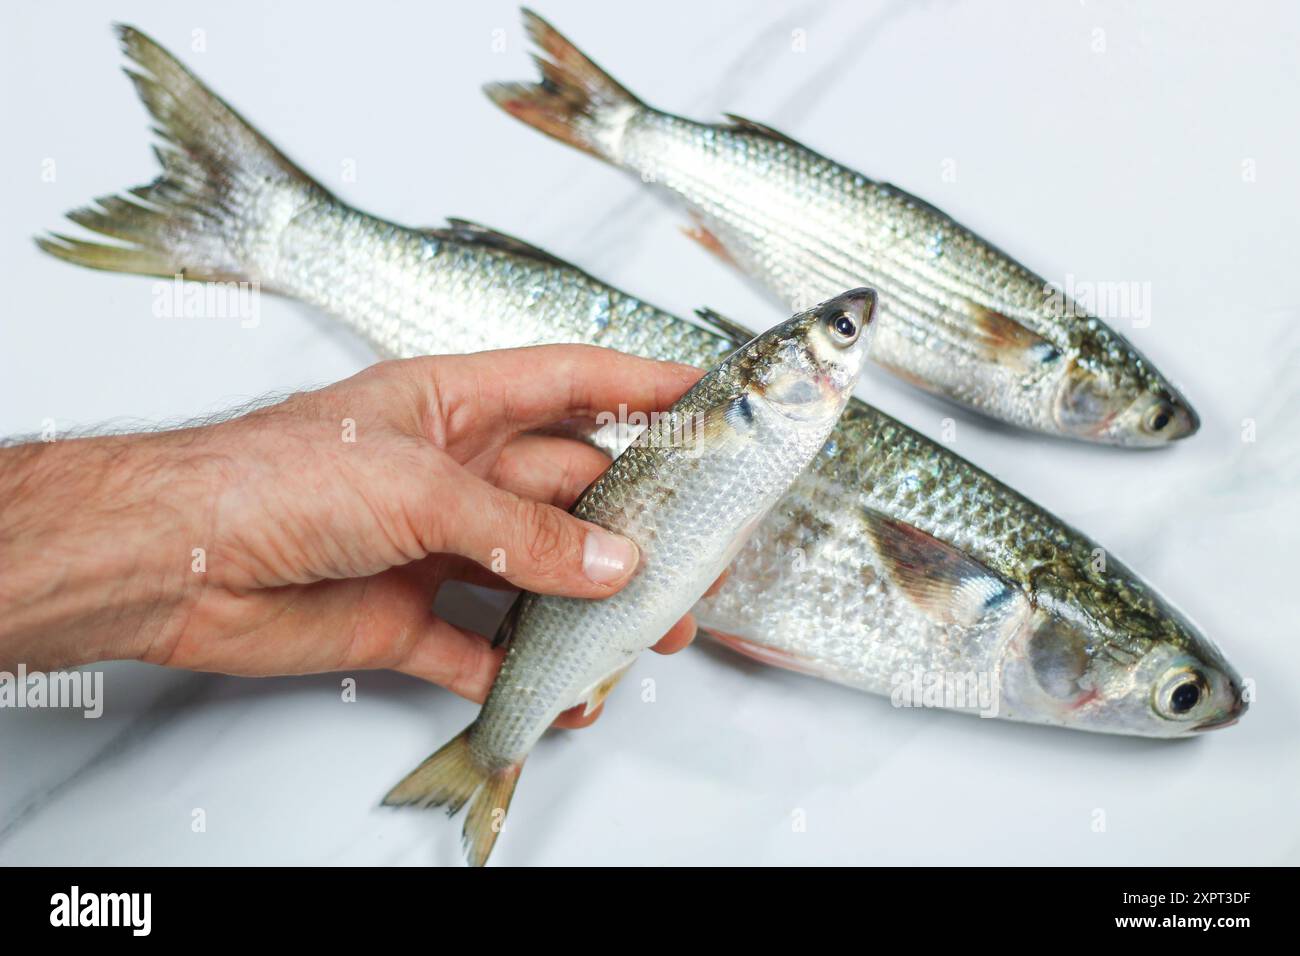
(1226, 720)
(1192, 422)
(1217, 724)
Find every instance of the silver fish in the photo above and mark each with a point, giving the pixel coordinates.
(889, 557)
(688, 491)
(959, 317)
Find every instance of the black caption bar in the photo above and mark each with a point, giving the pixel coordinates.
(331, 906)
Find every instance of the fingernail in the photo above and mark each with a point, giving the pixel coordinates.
(607, 557)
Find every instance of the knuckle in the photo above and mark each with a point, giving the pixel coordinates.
(545, 537)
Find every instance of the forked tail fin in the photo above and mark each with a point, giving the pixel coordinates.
(216, 171)
(451, 778)
(576, 102)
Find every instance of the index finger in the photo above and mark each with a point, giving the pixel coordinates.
(519, 390)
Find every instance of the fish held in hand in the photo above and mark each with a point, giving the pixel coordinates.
(688, 491)
(958, 317)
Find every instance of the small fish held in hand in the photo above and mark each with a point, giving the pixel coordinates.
(958, 317)
(688, 491)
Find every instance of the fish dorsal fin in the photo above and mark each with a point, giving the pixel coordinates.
(945, 583)
(732, 330)
(463, 230)
(751, 126)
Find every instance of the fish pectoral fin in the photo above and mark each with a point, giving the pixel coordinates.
(943, 582)
(1005, 341)
(732, 330)
(713, 429)
(595, 695)
(706, 238)
(724, 423)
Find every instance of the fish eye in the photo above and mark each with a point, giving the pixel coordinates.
(844, 327)
(1159, 416)
(1184, 697)
(1181, 693)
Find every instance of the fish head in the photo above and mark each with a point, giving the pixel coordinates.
(1162, 678)
(807, 367)
(1109, 393)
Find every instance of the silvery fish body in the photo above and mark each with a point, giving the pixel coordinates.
(688, 491)
(958, 317)
(685, 490)
(890, 556)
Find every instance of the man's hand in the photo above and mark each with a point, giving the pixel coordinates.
(313, 535)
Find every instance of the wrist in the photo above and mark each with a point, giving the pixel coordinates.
(95, 552)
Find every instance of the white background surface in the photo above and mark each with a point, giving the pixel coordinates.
(1118, 165)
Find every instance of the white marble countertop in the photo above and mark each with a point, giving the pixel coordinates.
(1116, 155)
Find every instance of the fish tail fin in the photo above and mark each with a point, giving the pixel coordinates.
(576, 101)
(453, 777)
(215, 167)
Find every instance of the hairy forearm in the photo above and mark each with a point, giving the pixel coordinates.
(96, 544)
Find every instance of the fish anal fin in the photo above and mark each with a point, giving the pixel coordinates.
(709, 240)
(944, 583)
(594, 696)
